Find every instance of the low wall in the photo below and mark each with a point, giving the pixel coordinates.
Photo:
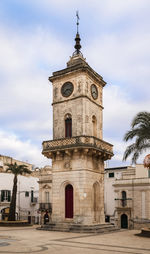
(14, 223)
(138, 224)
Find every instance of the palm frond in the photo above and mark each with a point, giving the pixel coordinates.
(140, 129)
(131, 134)
(23, 169)
(17, 169)
(129, 150)
(135, 156)
(141, 117)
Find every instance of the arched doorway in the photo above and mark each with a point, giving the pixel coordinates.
(69, 201)
(124, 221)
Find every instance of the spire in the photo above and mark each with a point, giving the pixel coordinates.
(77, 39)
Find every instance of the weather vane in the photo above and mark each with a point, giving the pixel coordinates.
(77, 15)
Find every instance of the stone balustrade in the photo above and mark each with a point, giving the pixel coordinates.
(78, 142)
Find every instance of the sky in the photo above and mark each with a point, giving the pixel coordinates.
(37, 38)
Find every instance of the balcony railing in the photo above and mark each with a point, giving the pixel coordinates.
(79, 141)
(123, 203)
(45, 207)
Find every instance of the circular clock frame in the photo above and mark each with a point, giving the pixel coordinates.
(94, 91)
(67, 89)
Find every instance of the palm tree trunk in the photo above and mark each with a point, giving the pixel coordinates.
(12, 211)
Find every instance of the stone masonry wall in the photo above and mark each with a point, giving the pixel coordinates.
(82, 182)
(82, 108)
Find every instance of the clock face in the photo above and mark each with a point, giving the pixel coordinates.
(67, 89)
(94, 91)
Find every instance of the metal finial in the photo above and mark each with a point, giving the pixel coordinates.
(77, 39)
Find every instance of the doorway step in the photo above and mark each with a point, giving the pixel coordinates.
(79, 228)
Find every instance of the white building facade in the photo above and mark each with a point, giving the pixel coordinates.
(45, 192)
(27, 206)
(127, 196)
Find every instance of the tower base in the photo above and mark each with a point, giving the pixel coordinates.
(79, 228)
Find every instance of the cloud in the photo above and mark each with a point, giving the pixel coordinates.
(11, 145)
(111, 7)
(124, 58)
(119, 110)
(29, 50)
(116, 44)
(26, 94)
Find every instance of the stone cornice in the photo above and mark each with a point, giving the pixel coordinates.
(132, 182)
(79, 170)
(74, 98)
(45, 181)
(82, 67)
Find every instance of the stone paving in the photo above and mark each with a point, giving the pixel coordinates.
(29, 240)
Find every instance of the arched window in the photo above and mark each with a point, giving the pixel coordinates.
(94, 121)
(68, 126)
(124, 198)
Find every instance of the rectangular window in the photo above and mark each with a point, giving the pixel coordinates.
(5, 195)
(26, 193)
(111, 174)
(47, 197)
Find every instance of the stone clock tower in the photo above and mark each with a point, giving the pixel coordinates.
(77, 150)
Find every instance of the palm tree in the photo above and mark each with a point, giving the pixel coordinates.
(140, 130)
(16, 170)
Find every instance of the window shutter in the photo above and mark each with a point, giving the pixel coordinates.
(9, 195)
(2, 195)
(32, 196)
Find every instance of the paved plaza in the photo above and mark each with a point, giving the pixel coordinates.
(30, 240)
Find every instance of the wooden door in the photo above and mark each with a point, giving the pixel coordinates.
(124, 221)
(69, 201)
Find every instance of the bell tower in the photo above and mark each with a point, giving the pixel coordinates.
(77, 150)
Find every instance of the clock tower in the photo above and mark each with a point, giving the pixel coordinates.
(77, 150)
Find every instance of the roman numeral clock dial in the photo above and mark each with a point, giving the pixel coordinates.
(67, 89)
(94, 91)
